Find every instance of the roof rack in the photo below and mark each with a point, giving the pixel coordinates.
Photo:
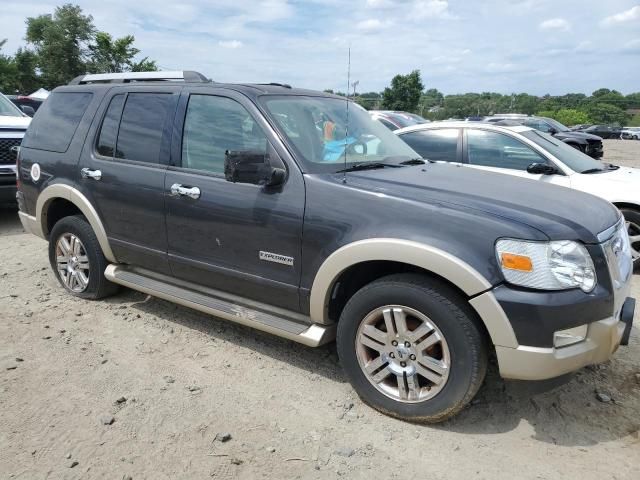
(276, 84)
(127, 77)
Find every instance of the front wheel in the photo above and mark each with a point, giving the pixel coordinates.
(632, 220)
(411, 348)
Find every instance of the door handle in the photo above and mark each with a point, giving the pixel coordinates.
(89, 173)
(178, 190)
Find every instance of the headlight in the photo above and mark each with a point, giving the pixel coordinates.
(554, 265)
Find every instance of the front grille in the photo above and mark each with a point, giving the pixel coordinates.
(594, 145)
(8, 157)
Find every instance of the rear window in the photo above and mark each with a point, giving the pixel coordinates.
(55, 124)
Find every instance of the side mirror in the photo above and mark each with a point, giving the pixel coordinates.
(541, 169)
(249, 166)
(552, 131)
(28, 110)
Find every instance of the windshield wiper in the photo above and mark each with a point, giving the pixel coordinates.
(413, 161)
(593, 170)
(367, 166)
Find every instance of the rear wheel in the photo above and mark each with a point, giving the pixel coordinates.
(77, 259)
(632, 219)
(411, 348)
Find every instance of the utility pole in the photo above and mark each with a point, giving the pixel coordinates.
(354, 85)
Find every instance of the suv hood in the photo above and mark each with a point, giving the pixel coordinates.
(577, 136)
(14, 123)
(558, 212)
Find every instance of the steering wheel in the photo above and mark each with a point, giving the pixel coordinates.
(359, 142)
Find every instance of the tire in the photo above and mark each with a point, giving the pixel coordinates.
(632, 217)
(78, 257)
(414, 297)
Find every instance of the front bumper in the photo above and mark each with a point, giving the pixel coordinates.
(534, 363)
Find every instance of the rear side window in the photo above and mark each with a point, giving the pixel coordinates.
(56, 123)
(141, 127)
(109, 129)
(439, 145)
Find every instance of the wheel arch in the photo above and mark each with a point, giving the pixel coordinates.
(417, 257)
(53, 195)
(627, 205)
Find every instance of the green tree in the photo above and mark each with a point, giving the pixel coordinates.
(112, 56)
(8, 71)
(607, 113)
(404, 92)
(61, 43)
(27, 78)
(567, 116)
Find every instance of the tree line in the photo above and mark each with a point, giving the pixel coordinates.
(62, 46)
(407, 93)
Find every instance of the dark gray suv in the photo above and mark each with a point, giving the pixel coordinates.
(292, 212)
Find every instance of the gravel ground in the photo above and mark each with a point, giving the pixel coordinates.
(136, 387)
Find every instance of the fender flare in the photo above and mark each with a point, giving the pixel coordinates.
(73, 195)
(432, 259)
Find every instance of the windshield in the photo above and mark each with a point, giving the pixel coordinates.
(8, 109)
(557, 125)
(316, 128)
(571, 157)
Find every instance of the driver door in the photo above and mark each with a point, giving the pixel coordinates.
(238, 238)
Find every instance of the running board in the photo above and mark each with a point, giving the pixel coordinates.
(286, 324)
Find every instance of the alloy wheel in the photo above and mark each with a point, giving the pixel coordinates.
(634, 238)
(403, 353)
(72, 262)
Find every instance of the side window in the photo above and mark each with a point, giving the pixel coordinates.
(54, 127)
(492, 149)
(109, 130)
(140, 134)
(538, 125)
(388, 124)
(214, 125)
(439, 145)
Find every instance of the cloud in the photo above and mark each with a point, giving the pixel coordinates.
(230, 43)
(632, 47)
(555, 24)
(623, 17)
(370, 25)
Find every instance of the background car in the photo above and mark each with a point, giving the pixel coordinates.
(28, 105)
(630, 133)
(603, 131)
(525, 152)
(13, 125)
(394, 120)
(583, 141)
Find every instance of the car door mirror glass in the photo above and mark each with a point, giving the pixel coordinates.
(541, 169)
(254, 167)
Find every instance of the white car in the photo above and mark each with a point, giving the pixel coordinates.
(630, 133)
(13, 125)
(529, 153)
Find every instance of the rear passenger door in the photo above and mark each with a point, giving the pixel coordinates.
(238, 238)
(124, 167)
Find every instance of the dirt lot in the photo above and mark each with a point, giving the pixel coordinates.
(172, 380)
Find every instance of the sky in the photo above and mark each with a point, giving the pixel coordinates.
(506, 46)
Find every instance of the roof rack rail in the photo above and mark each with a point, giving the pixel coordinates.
(128, 77)
(276, 84)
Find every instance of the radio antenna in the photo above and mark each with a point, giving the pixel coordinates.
(346, 127)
